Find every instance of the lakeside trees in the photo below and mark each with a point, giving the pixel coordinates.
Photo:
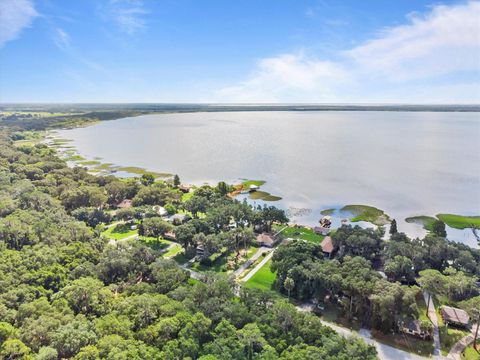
(66, 293)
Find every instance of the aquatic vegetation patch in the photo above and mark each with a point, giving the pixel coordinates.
(366, 213)
(327, 212)
(425, 221)
(460, 221)
(263, 195)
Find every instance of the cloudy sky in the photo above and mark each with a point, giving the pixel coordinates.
(294, 51)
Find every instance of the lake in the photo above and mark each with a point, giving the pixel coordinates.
(406, 163)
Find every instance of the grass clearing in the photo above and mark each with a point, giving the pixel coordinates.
(187, 196)
(425, 221)
(470, 354)
(300, 232)
(173, 251)
(263, 279)
(119, 232)
(459, 221)
(366, 213)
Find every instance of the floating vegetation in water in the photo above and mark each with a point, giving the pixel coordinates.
(366, 213)
(425, 221)
(263, 195)
(327, 212)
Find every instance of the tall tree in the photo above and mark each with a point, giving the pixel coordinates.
(393, 227)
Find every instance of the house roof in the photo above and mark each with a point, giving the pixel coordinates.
(327, 245)
(265, 239)
(126, 203)
(455, 315)
(414, 325)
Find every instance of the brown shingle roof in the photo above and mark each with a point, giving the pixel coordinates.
(327, 245)
(454, 315)
(265, 239)
(124, 204)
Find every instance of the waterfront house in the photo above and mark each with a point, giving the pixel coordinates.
(184, 188)
(454, 316)
(265, 239)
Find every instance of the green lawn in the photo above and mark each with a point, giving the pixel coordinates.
(425, 221)
(187, 196)
(459, 221)
(119, 232)
(173, 251)
(367, 213)
(263, 279)
(449, 336)
(299, 232)
(470, 354)
(246, 184)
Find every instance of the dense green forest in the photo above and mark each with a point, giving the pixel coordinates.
(68, 292)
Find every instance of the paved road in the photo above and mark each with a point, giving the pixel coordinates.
(457, 349)
(432, 315)
(385, 352)
(114, 242)
(244, 266)
(258, 267)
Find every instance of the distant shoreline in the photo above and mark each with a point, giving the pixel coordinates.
(189, 108)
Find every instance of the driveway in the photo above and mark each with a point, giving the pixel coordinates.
(385, 352)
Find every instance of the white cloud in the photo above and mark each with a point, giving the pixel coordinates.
(296, 74)
(15, 15)
(409, 63)
(61, 39)
(128, 15)
(445, 40)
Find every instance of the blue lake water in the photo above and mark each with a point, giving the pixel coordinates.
(406, 163)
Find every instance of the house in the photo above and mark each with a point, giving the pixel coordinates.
(124, 204)
(414, 327)
(265, 239)
(327, 246)
(178, 219)
(170, 235)
(454, 316)
(184, 188)
(160, 210)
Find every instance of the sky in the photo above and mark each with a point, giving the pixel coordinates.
(249, 51)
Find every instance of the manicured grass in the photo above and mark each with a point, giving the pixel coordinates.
(187, 196)
(119, 232)
(154, 243)
(448, 337)
(300, 232)
(459, 221)
(263, 279)
(367, 213)
(174, 250)
(470, 354)
(425, 221)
